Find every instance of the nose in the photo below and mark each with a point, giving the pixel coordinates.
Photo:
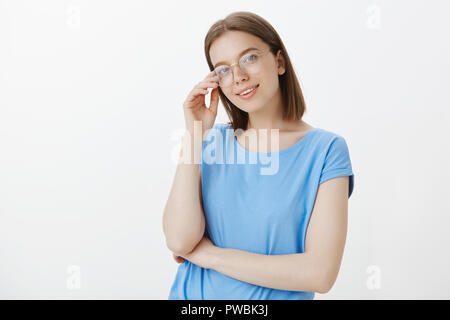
(238, 74)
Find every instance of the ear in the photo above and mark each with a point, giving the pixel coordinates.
(281, 63)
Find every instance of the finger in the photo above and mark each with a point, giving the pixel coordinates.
(210, 80)
(198, 91)
(211, 75)
(214, 100)
(195, 93)
(206, 84)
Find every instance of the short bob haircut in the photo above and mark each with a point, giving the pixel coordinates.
(291, 93)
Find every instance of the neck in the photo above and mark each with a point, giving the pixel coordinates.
(270, 116)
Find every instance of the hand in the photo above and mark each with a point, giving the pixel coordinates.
(195, 108)
(204, 254)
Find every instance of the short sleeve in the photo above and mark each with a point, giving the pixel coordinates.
(337, 163)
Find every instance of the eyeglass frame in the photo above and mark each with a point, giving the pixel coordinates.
(259, 54)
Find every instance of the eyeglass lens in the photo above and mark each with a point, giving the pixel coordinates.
(248, 64)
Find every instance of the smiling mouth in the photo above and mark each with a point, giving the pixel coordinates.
(248, 93)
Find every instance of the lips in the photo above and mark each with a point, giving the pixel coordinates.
(249, 95)
(245, 89)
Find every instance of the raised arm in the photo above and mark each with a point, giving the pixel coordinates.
(183, 217)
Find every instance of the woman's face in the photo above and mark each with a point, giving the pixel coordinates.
(228, 48)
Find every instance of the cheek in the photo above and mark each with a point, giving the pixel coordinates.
(267, 83)
(271, 84)
(229, 94)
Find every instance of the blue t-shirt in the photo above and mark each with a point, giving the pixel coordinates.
(259, 206)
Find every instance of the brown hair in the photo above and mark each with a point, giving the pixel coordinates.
(291, 93)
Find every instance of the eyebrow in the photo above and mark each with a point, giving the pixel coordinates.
(240, 54)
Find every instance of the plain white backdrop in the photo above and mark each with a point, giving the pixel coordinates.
(91, 97)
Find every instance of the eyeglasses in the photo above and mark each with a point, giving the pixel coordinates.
(250, 63)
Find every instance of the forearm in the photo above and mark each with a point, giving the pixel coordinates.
(294, 272)
(183, 218)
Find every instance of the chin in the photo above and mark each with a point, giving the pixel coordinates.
(251, 107)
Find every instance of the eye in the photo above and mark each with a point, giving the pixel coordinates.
(221, 71)
(250, 58)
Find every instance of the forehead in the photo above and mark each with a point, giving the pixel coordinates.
(228, 46)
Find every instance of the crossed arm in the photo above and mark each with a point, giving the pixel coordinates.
(314, 270)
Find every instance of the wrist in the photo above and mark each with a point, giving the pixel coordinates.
(191, 148)
(216, 257)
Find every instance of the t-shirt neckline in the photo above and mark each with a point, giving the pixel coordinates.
(294, 146)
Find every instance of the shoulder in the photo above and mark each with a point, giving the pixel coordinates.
(326, 140)
(327, 136)
(334, 157)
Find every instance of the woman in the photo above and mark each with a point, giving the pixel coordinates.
(237, 232)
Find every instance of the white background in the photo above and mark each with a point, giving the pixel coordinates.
(91, 97)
